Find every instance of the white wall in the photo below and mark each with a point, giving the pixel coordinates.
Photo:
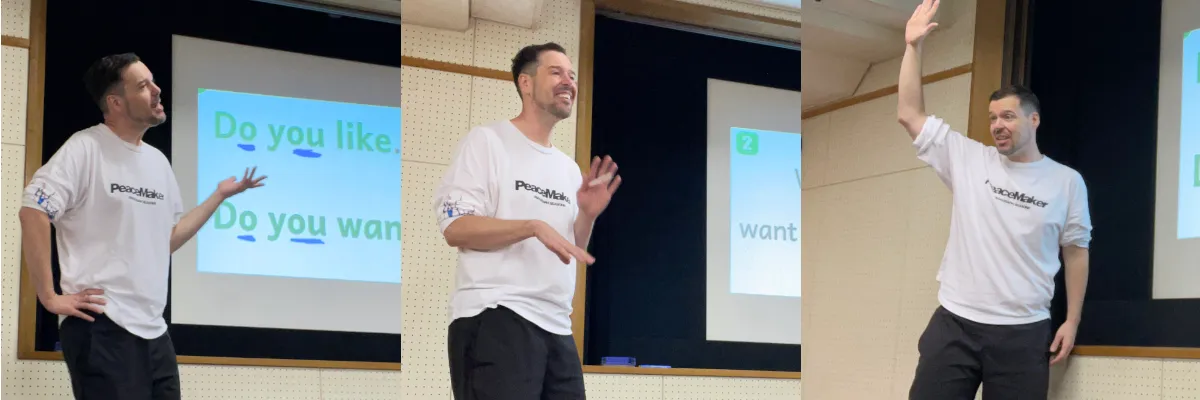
(879, 220)
(438, 108)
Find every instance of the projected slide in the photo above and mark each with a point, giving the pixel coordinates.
(1189, 141)
(330, 207)
(764, 203)
(752, 214)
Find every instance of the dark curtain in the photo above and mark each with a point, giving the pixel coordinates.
(646, 292)
(1098, 84)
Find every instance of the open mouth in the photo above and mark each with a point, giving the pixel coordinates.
(1002, 139)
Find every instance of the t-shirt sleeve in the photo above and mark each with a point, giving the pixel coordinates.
(944, 149)
(1078, 229)
(469, 184)
(59, 185)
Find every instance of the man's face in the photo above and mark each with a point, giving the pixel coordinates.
(1012, 127)
(553, 85)
(141, 99)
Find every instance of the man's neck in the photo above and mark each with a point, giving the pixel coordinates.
(126, 131)
(1031, 154)
(536, 126)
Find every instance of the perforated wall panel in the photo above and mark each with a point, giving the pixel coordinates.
(711, 388)
(436, 108)
(438, 45)
(15, 18)
(16, 69)
(496, 43)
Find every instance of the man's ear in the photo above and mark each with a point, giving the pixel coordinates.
(1036, 119)
(526, 83)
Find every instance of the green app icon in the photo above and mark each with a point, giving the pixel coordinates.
(747, 143)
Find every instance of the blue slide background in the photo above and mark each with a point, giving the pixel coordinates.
(305, 179)
(1189, 142)
(764, 188)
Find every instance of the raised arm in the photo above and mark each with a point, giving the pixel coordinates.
(911, 108)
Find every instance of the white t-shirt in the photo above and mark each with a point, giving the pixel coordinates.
(1008, 222)
(114, 205)
(497, 172)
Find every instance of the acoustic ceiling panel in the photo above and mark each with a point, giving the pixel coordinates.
(454, 15)
(520, 13)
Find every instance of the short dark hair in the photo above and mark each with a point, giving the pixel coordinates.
(526, 61)
(105, 74)
(1025, 97)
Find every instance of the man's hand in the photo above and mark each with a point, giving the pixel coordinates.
(230, 187)
(559, 245)
(71, 304)
(1064, 342)
(599, 184)
(920, 25)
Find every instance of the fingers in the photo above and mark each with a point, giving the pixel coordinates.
(616, 184)
(582, 255)
(602, 180)
(602, 171)
(561, 253)
(79, 314)
(594, 169)
(92, 307)
(1062, 355)
(89, 296)
(1057, 341)
(565, 251)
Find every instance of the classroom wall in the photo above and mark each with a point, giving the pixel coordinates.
(879, 219)
(438, 108)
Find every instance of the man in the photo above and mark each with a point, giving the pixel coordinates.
(520, 213)
(118, 214)
(1013, 210)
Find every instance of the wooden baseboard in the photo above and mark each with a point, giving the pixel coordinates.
(246, 362)
(605, 369)
(1189, 353)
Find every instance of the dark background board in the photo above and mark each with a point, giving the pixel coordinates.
(646, 291)
(78, 33)
(1099, 94)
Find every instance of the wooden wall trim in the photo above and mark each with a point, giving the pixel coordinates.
(13, 41)
(726, 373)
(1138, 352)
(887, 91)
(706, 17)
(583, 152)
(987, 74)
(34, 111)
(249, 362)
(455, 68)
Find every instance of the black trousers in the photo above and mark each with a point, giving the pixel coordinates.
(498, 355)
(106, 362)
(957, 355)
